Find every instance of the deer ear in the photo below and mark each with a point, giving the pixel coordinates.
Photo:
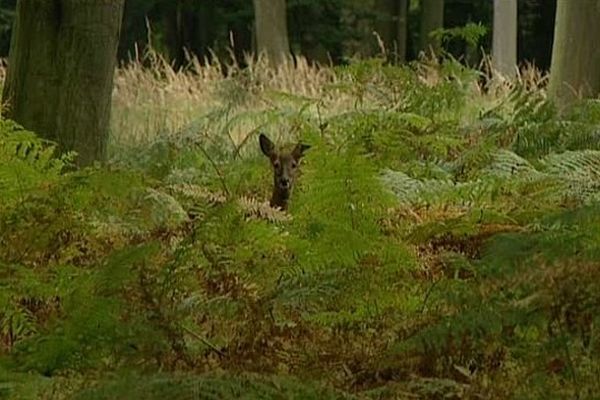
(267, 147)
(299, 150)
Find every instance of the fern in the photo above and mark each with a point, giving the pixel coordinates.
(440, 239)
(210, 386)
(27, 163)
(93, 312)
(336, 234)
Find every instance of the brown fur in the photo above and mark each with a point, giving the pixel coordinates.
(285, 168)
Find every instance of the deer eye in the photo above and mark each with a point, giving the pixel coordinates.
(294, 164)
(276, 163)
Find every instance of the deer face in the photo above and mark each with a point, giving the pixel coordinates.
(285, 168)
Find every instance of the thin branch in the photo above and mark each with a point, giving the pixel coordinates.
(205, 341)
(216, 168)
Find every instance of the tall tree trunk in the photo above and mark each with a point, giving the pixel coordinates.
(203, 29)
(432, 19)
(575, 58)
(174, 32)
(384, 25)
(271, 30)
(241, 35)
(401, 30)
(504, 42)
(391, 26)
(60, 74)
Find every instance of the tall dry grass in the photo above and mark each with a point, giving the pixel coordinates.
(152, 100)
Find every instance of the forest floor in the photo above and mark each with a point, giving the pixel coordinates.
(443, 241)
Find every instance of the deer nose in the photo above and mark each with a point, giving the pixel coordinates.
(284, 183)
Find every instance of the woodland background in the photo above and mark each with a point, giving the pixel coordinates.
(343, 28)
(443, 240)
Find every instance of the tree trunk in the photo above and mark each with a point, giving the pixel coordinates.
(271, 30)
(432, 19)
(60, 74)
(391, 26)
(173, 32)
(384, 25)
(401, 30)
(241, 35)
(575, 59)
(504, 43)
(203, 29)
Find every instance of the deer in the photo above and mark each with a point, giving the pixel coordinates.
(285, 169)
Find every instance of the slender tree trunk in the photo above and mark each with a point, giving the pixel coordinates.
(203, 29)
(174, 32)
(391, 26)
(575, 58)
(241, 35)
(384, 25)
(271, 30)
(401, 30)
(504, 43)
(60, 74)
(432, 19)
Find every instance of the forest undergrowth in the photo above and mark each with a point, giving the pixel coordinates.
(443, 240)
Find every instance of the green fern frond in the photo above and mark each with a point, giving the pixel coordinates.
(210, 387)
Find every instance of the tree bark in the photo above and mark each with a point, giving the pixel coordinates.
(402, 30)
(172, 15)
(504, 42)
(203, 29)
(575, 58)
(432, 19)
(60, 74)
(391, 26)
(271, 30)
(384, 25)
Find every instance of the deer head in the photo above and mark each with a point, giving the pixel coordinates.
(285, 168)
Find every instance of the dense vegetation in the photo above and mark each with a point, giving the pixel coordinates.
(443, 241)
(343, 28)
